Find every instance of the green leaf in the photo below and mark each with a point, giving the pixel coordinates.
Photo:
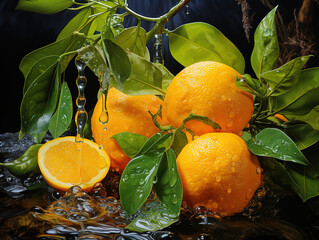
(62, 117)
(302, 134)
(251, 85)
(43, 58)
(130, 143)
(272, 142)
(157, 216)
(195, 42)
(93, 57)
(301, 98)
(266, 49)
(75, 23)
(307, 177)
(180, 141)
(279, 174)
(44, 6)
(133, 39)
(137, 180)
(311, 118)
(281, 79)
(39, 102)
(167, 76)
(145, 78)
(26, 165)
(149, 143)
(117, 59)
(168, 186)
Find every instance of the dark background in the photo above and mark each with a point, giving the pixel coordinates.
(23, 32)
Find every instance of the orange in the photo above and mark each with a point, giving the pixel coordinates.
(208, 89)
(65, 163)
(219, 172)
(126, 114)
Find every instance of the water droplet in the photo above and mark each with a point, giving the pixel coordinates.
(155, 180)
(141, 182)
(229, 190)
(233, 169)
(224, 98)
(231, 114)
(174, 198)
(187, 9)
(230, 123)
(218, 178)
(157, 49)
(258, 170)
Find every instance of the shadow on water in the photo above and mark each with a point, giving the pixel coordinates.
(47, 214)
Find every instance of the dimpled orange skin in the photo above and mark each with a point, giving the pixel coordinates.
(126, 114)
(208, 89)
(219, 172)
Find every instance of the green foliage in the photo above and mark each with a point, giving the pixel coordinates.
(62, 117)
(266, 49)
(194, 42)
(44, 6)
(272, 142)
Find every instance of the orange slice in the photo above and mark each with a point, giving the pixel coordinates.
(65, 163)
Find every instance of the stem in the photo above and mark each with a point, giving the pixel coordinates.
(165, 18)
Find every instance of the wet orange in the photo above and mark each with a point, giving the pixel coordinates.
(126, 114)
(219, 172)
(65, 163)
(208, 89)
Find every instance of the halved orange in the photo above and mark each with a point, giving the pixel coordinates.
(64, 163)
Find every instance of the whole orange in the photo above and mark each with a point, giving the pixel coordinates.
(208, 89)
(219, 172)
(126, 114)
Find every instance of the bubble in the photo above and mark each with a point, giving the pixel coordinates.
(224, 98)
(218, 178)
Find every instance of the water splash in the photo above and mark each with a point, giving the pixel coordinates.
(157, 49)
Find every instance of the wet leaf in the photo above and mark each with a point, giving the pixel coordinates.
(138, 176)
(149, 143)
(133, 39)
(137, 180)
(301, 98)
(195, 42)
(117, 59)
(44, 6)
(39, 102)
(145, 77)
(272, 142)
(156, 217)
(283, 78)
(62, 117)
(251, 85)
(130, 143)
(266, 48)
(26, 165)
(168, 186)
